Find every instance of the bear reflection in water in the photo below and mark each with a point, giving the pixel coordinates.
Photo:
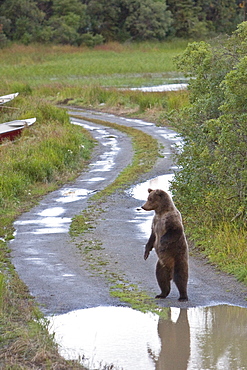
(194, 338)
(175, 343)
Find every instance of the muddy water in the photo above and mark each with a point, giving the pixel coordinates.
(194, 338)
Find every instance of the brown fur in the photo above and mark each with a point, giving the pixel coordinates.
(169, 241)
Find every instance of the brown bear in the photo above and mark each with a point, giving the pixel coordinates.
(169, 241)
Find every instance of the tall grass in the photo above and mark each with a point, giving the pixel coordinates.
(225, 246)
(99, 97)
(49, 152)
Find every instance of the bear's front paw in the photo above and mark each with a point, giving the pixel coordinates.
(161, 296)
(146, 254)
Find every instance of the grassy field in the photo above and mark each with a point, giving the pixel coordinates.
(92, 77)
(111, 65)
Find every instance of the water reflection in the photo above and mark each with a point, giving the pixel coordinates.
(175, 343)
(160, 88)
(195, 338)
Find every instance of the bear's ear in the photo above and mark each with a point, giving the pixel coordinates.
(159, 192)
(149, 190)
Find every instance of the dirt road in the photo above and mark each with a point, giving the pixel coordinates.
(51, 264)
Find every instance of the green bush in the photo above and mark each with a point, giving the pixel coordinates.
(213, 160)
(211, 186)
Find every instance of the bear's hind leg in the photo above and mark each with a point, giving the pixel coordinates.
(180, 278)
(163, 275)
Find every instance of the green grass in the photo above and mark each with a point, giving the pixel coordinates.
(124, 101)
(106, 65)
(224, 245)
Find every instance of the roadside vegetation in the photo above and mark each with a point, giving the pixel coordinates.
(211, 188)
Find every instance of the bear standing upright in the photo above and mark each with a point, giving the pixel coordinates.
(169, 241)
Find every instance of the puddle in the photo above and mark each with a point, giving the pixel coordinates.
(94, 179)
(84, 124)
(160, 88)
(52, 212)
(195, 338)
(107, 160)
(140, 191)
(72, 195)
(143, 221)
(49, 221)
(138, 121)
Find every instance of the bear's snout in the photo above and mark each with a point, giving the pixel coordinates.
(146, 207)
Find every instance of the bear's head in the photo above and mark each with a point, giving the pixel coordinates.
(158, 200)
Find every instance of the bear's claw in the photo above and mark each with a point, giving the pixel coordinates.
(183, 299)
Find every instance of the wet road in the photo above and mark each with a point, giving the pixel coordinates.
(49, 262)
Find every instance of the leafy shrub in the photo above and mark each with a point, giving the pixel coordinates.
(211, 186)
(213, 179)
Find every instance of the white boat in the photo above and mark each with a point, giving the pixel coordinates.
(9, 130)
(6, 98)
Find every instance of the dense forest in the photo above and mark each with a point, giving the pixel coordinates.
(93, 22)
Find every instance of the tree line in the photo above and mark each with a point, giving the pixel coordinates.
(93, 22)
